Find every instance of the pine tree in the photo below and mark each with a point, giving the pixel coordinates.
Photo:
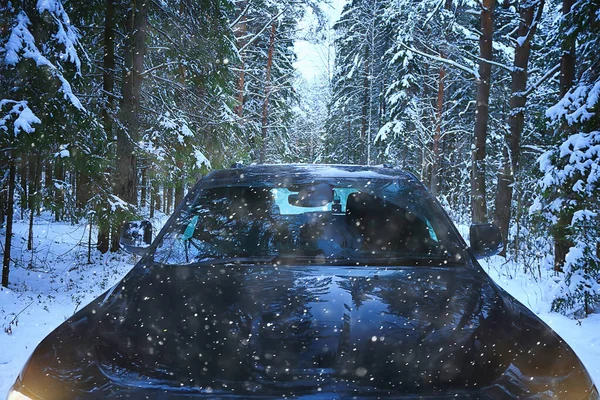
(570, 185)
(356, 112)
(266, 75)
(428, 108)
(38, 62)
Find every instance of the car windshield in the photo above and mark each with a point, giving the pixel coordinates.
(342, 220)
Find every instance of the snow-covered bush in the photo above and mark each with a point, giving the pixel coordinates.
(578, 290)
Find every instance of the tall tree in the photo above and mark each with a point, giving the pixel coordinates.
(357, 83)
(570, 190)
(265, 69)
(129, 114)
(188, 95)
(428, 100)
(562, 242)
(267, 93)
(38, 47)
(478, 186)
(107, 111)
(530, 13)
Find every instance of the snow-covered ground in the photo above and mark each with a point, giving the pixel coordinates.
(50, 285)
(58, 283)
(582, 335)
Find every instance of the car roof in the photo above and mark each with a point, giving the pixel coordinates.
(303, 173)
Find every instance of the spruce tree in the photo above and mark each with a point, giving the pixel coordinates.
(38, 64)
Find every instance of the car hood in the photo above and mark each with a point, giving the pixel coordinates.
(263, 331)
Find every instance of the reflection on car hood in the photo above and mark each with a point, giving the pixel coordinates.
(262, 331)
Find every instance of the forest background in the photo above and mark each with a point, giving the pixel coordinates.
(111, 109)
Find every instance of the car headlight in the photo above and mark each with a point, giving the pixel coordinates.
(16, 395)
(594, 394)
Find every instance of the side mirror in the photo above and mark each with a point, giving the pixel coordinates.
(486, 240)
(136, 236)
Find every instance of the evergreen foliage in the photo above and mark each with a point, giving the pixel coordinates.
(570, 186)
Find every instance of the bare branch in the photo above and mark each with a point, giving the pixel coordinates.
(148, 71)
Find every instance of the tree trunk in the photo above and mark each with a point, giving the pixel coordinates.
(108, 77)
(23, 181)
(72, 184)
(30, 232)
(82, 192)
(435, 167)
(135, 48)
(157, 196)
(48, 184)
(31, 201)
(239, 108)
(152, 199)
(348, 141)
(179, 186)
(179, 194)
(103, 244)
(9, 219)
(265, 108)
(562, 243)
(89, 252)
(598, 242)
(59, 199)
(478, 189)
(567, 58)
(144, 188)
(108, 84)
(169, 201)
(2, 206)
(511, 152)
(240, 33)
(115, 225)
(365, 109)
(39, 185)
(126, 162)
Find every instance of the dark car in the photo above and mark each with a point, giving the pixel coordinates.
(306, 282)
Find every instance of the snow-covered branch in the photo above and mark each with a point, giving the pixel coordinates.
(24, 117)
(443, 60)
(546, 76)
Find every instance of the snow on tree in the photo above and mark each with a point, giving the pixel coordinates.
(38, 61)
(309, 127)
(570, 185)
(265, 32)
(357, 107)
(429, 95)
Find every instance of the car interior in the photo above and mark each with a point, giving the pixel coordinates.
(312, 220)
